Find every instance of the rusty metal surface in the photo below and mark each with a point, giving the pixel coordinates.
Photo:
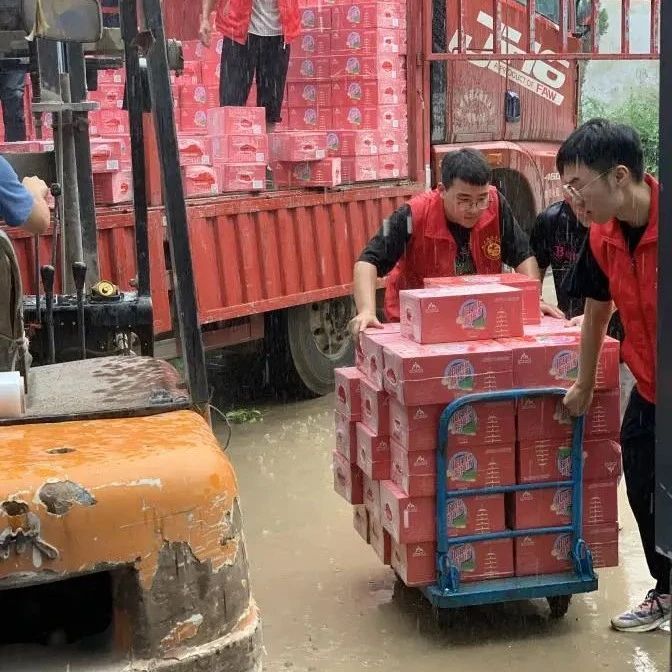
(102, 388)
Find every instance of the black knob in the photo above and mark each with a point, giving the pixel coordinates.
(79, 274)
(48, 274)
(55, 189)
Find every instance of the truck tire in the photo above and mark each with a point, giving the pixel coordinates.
(306, 343)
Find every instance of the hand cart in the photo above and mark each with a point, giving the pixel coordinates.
(448, 592)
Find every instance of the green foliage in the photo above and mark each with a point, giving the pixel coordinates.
(640, 110)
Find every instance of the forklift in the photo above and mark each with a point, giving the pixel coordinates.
(121, 534)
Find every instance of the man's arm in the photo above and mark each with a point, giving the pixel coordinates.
(378, 258)
(40, 216)
(205, 31)
(593, 330)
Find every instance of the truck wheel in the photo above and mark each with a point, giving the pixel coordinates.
(308, 343)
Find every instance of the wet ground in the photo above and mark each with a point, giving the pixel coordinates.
(330, 606)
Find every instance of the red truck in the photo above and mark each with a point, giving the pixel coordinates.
(276, 267)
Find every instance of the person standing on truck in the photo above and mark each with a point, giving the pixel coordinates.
(256, 41)
(464, 226)
(601, 165)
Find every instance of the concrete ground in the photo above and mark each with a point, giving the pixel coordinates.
(329, 605)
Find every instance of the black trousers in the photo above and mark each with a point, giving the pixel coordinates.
(638, 442)
(12, 82)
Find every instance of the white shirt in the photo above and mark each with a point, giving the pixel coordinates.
(265, 19)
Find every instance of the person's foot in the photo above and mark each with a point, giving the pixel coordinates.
(648, 616)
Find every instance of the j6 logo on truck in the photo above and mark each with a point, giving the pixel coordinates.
(540, 77)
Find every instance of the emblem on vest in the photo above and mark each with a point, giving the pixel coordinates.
(492, 248)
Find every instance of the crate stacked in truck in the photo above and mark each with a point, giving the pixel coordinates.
(454, 340)
(347, 80)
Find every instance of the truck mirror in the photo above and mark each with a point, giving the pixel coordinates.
(63, 20)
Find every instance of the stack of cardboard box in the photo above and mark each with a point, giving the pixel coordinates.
(456, 337)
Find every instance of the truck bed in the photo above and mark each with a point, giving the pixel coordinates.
(251, 253)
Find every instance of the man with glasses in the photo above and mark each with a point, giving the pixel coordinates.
(465, 226)
(602, 167)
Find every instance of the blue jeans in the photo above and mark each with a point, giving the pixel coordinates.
(12, 82)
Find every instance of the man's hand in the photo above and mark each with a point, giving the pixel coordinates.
(205, 31)
(576, 321)
(361, 322)
(578, 399)
(37, 187)
(551, 311)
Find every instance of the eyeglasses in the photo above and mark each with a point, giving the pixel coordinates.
(575, 195)
(467, 204)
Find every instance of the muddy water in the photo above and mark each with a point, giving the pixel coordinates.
(330, 606)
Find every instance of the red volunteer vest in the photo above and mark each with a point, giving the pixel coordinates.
(432, 250)
(633, 282)
(233, 19)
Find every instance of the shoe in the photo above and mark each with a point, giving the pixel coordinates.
(648, 616)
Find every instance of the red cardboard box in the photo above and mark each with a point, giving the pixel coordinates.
(314, 67)
(110, 122)
(392, 92)
(415, 428)
(380, 540)
(112, 76)
(360, 521)
(236, 121)
(347, 92)
(191, 73)
(483, 424)
(346, 436)
(408, 519)
(359, 169)
(375, 407)
(602, 540)
(372, 497)
(194, 151)
(316, 18)
(550, 326)
(104, 151)
(475, 514)
(481, 466)
(391, 167)
(529, 286)
(199, 181)
(543, 554)
(325, 173)
(483, 560)
(193, 120)
(547, 417)
(199, 95)
(310, 119)
(414, 473)
(391, 141)
(415, 564)
(108, 96)
(114, 187)
(392, 117)
(354, 41)
(550, 459)
(541, 361)
(352, 143)
(242, 176)
(312, 43)
(355, 117)
(239, 149)
(449, 314)
(348, 392)
(550, 507)
(369, 14)
(210, 73)
(298, 146)
(419, 375)
(373, 453)
(383, 66)
(348, 480)
(370, 351)
(309, 94)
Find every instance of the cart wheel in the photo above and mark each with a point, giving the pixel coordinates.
(559, 605)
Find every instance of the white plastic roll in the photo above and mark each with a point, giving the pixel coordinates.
(12, 404)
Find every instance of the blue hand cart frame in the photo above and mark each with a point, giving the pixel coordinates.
(448, 592)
